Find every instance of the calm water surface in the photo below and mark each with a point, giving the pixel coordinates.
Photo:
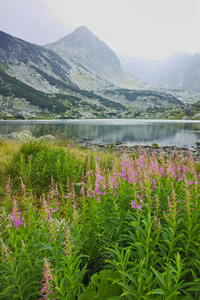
(145, 132)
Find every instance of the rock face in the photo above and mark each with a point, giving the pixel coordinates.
(29, 63)
(82, 46)
(181, 70)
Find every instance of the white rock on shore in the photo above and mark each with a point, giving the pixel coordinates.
(27, 136)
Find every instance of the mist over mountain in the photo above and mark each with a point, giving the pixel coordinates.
(181, 70)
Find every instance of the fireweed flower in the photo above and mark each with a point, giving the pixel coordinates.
(6, 252)
(46, 281)
(5, 222)
(67, 196)
(89, 172)
(68, 242)
(100, 186)
(154, 184)
(47, 209)
(8, 189)
(138, 206)
(53, 229)
(16, 215)
(134, 205)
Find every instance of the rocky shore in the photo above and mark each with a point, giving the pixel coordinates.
(167, 151)
(118, 147)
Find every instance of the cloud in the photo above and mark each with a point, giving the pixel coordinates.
(145, 28)
(30, 20)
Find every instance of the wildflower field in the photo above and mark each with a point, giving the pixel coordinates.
(82, 224)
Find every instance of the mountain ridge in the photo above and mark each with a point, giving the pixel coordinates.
(35, 76)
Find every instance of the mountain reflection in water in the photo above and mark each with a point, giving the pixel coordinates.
(144, 132)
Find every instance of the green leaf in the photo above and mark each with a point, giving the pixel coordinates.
(156, 292)
(101, 286)
(129, 290)
(129, 276)
(160, 278)
(194, 289)
(115, 298)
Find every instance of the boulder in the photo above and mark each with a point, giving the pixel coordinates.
(23, 136)
(27, 136)
(47, 137)
(198, 144)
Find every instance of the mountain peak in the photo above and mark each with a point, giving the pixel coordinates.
(81, 37)
(82, 29)
(84, 47)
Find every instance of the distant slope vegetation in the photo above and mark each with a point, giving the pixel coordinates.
(132, 95)
(51, 102)
(145, 99)
(11, 86)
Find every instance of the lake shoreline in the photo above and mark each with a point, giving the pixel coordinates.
(128, 131)
(117, 147)
(167, 151)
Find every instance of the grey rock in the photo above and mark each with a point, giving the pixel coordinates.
(27, 136)
(118, 143)
(47, 137)
(198, 144)
(191, 149)
(23, 136)
(171, 151)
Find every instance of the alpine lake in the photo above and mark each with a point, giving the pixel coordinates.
(129, 131)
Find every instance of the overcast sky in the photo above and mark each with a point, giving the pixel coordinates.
(152, 29)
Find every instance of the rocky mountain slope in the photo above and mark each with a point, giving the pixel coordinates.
(181, 70)
(83, 79)
(94, 60)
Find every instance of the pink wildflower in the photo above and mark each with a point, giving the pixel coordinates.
(16, 215)
(46, 281)
(138, 206)
(133, 204)
(68, 242)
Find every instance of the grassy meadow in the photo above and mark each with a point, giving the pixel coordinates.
(82, 224)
